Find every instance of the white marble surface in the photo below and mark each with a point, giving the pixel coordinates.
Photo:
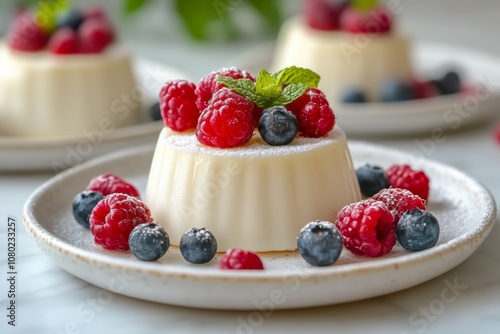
(49, 300)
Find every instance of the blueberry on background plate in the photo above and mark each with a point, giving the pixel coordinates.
(353, 95)
(417, 230)
(278, 126)
(449, 84)
(149, 241)
(83, 204)
(371, 179)
(320, 243)
(396, 90)
(198, 245)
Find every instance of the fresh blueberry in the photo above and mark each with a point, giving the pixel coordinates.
(72, 19)
(417, 230)
(353, 95)
(149, 241)
(198, 245)
(371, 179)
(278, 126)
(448, 84)
(155, 112)
(320, 243)
(396, 90)
(83, 204)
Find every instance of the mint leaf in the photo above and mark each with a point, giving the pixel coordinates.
(267, 86)
(290, 93)
(297, 75)
(245, 87)
(131, 6)
(364, 5)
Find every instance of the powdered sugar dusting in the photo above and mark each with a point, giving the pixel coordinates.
(187, 141)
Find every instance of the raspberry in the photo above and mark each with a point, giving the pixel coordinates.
(239, 259)
(113, 219)
(314, 115)
(178, 105)
(108, 184)
(227, 121)
(323, 14)
(25, 35)
(95, 34)
(208, 84)
(403, 176)
(64, 41)
(399, 201)
(367, 228)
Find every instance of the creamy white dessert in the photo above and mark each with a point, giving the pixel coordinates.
(42, 94)
(255, 197)
(343, 60)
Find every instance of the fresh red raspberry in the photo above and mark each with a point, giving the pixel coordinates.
(315, 118)
(109, 183)
(114, 217)
(423, 89)
(399, 201)
(403, 176)
(239, 259)
(374, 21)
(367, 228)
(25, 35)
(178, 105)
(208, 84)
(324, 14)
(227, 121)
(94, 12)
(95, 35)
(64, 41)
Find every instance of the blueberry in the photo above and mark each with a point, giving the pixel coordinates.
(155, 112)
(448, 84)
(371, 179)
(72, 19)
(278, 126)
(320, 243)
(353, 95)
(83, 204)
(198, 245)
(417, 230)
(396, 90)
(149, 241)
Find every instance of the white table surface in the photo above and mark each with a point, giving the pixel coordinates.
(49, 300)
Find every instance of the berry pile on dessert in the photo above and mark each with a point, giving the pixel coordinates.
(226, 105)
(61, 30)
(354, 47)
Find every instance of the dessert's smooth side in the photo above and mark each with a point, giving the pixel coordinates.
(44, 95)
(258, 203)
(342, 59)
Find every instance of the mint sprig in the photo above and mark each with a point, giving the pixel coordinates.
(274, 89)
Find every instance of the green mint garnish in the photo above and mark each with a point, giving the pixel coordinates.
(364, 5)
(47, 11)
(279, 88)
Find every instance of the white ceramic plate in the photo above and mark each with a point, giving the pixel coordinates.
(465, 209)
(417, 116)
(58, 153)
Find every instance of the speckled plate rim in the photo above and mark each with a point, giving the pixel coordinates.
(472, 238)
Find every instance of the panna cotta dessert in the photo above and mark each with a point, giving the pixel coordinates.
(352, 46)
(254, 164)
(64, 75)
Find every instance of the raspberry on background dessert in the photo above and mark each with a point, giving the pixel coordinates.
(64, 74)
(251, 194)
